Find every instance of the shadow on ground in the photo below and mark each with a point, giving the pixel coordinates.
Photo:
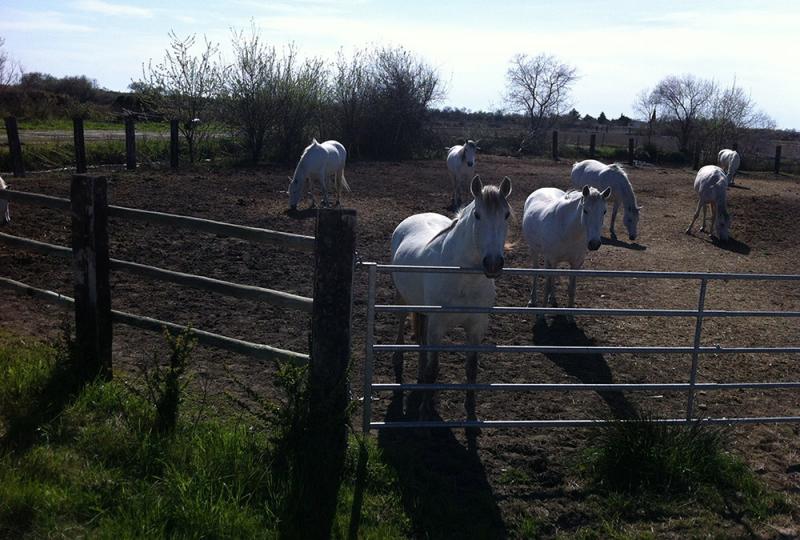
(635, 246)
(587, 368)
(444, 487)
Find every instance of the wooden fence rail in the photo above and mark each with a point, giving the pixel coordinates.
(227, 288)
(89, 200)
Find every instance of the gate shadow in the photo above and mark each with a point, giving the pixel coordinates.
(587, 368)
(443, 483)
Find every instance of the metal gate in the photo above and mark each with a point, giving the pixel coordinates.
(695, 350)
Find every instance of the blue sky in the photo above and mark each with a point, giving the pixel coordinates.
(619, 48)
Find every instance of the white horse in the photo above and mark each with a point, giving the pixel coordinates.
(461, 166)
(560, 227)
(598, 175)
(5, 213)
(729, 161)
(319, 160)
(711, 185)
(475, 238)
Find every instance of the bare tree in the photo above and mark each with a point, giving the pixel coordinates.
(732, 112)
(183, 86)
(684, 100)
(645, 107)
(10, 69)
(539, 87)
(350, 97)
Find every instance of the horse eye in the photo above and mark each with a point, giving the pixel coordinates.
(585, 211)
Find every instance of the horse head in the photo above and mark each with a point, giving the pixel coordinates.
(723, 224)
(631, 221)
(295, 190)
(491, 212)
(593, 210)
(468, 153)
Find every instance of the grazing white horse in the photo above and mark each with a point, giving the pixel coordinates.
(560, 227)
(598, 175)
(461, 166)
(729, 161)
(711, 185)
(5, 213)
(319, 160)
(475, 238)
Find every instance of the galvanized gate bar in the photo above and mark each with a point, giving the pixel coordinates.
(369, 354)
(569, 387)
(389, 268)
(613, 312)
(698, 329)
(495, 424)
(583, 350)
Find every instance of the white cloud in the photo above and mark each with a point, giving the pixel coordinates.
(51, 21)
(107, 8)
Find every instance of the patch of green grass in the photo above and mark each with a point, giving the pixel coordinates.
(65, 124)
(100, 468)
(643, 468)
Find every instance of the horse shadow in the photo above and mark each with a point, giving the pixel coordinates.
(732, 245)
(619, 243)
(737, 186)
(307, 213)
(444, 486)
(587, 368)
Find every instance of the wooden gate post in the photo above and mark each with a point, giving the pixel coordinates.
(630, 150)
(555, 145)
(130, 143)
(328, 384)
(592, 144)
(778, 159)
(14, 146)
(80, 146)
(90, 266)
(174, 149)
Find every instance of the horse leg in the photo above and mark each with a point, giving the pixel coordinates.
(614, 219)
(397, 356)
(571, 297)
(534, 300)
(696, 213)
(475, 333)
(714, 228)
(550, 292)
(703, 228)
(323, 182)
(430, 372)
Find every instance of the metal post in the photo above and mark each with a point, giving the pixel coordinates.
(369, 356)
(698, 329)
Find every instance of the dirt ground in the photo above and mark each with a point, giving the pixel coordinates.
(764, 240)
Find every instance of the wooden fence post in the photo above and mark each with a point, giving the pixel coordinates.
(130, 143)
(174, 149)
(555, 145)
(80, 146)
(696, 158)
(90, 262)
(592, 144)
(328, 385)
(778, 159)
(14, 146)
(630, 150)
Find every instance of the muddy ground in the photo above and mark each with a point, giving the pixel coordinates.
(764, 231)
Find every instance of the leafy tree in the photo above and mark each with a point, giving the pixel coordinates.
(183, 87)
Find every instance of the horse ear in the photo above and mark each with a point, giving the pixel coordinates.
(505, 187)
(585, 191)
(476, 187)
(606, 192)
(314, 140)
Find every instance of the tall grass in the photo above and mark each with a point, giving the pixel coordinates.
(101, 468)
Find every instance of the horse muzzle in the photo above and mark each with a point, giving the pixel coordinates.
(594, 245)
(493, 266)
(470, 163)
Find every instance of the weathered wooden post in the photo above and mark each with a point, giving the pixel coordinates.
(90, 266)
(778, 159)
(328, 385)
(592, 144)
(14, 146)
(174, 149)
(555, 145)
(630, 150)
(80, 146)
(696, 158)
(130, 143)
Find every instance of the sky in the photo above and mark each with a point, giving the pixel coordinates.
(619, 48)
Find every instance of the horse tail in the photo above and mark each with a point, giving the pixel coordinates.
(341, 181)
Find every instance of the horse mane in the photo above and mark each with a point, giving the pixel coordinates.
(493, 200)
(617, 167)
